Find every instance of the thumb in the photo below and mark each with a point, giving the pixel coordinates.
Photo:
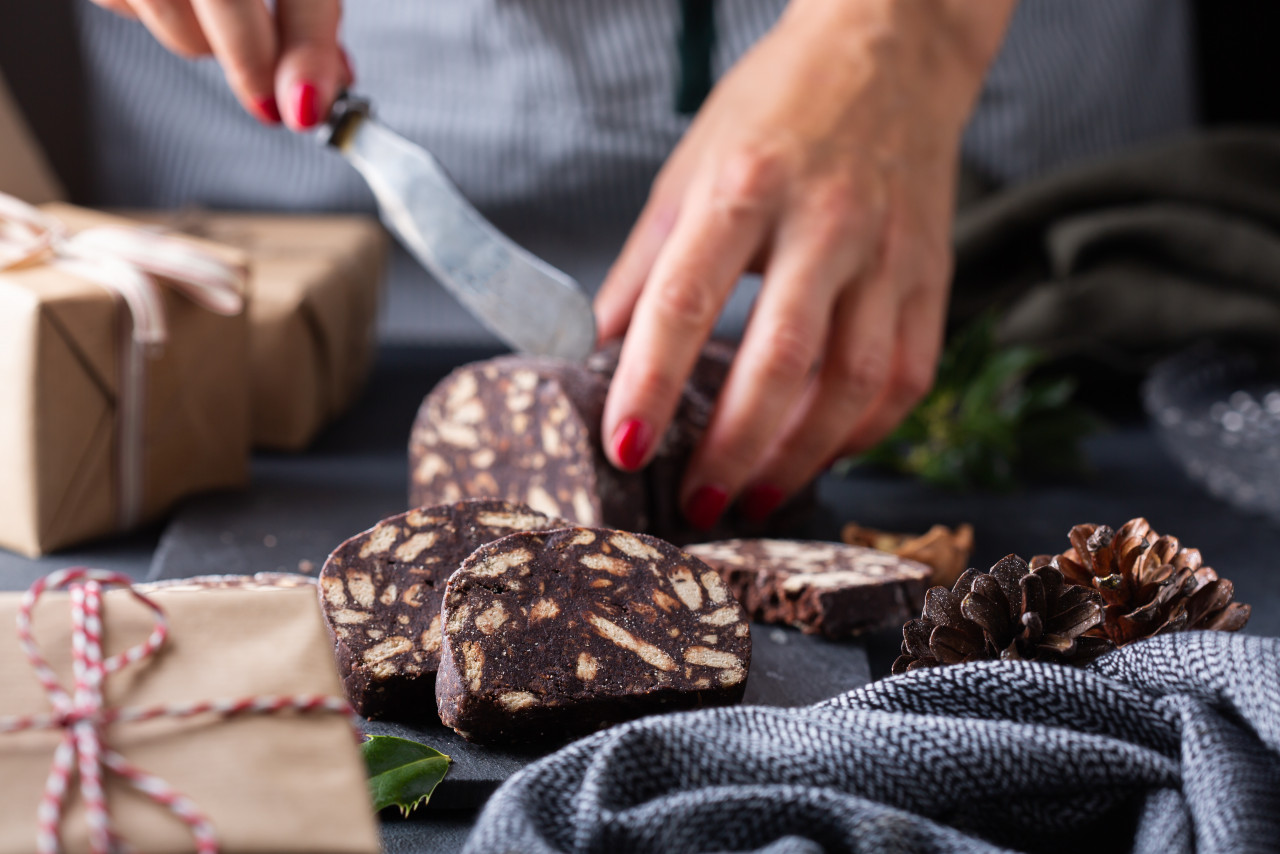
(312, 66)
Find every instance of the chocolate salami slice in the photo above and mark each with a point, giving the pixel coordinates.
(380, 592)
(553, 634)
(821, 588)
(528, 430)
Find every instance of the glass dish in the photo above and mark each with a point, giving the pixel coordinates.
(1217, 411)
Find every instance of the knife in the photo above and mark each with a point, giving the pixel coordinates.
(525, 301)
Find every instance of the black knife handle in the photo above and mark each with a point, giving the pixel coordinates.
(346, 112)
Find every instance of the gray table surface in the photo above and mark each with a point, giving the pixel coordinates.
(299, 507)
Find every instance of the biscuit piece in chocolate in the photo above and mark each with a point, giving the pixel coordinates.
(380, 592)
(823, 588)
(548, 635)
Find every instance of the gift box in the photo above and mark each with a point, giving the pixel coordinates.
(24, 172)
(120, 391)
(313, 302)
(236, 719)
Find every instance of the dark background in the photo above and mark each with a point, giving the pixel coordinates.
(1239, 63)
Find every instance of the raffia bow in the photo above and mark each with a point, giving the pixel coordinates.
(82, 717)
(134, 264)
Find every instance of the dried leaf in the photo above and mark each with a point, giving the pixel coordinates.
(944, 550)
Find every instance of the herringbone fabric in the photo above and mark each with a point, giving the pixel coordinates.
(1168, 745)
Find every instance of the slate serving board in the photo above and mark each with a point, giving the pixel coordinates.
(787, 669)
(301, 506)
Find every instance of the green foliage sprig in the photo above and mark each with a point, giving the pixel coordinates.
(988, 422)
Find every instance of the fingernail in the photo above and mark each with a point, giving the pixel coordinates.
(306, 111)
(268, 109)
(759, 501)
(706, 506)
(631, 443)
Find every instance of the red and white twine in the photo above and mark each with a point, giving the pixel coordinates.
(83, 719)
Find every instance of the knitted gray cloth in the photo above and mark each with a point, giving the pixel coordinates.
(1168, 745)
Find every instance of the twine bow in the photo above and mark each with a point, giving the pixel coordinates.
(133, 264)
(80, 714)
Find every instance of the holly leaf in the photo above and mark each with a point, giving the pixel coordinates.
(402, 773)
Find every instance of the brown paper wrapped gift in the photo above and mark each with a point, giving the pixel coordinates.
(313, 301)
(279, 782)
(63, 354)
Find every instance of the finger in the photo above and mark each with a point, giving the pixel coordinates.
(616, 300)
(120, 7)
(243, 38)
(174, 24)
(774, 365)
(312, 69)
(920, 333)
(715, 235)
(855, 369)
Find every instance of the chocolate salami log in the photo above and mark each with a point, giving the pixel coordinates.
(821, 588)
(528, 430)
(548, 635)
(380, 592)
(522, 429)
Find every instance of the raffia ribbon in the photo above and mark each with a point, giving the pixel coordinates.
(80, 714)
(133, 264)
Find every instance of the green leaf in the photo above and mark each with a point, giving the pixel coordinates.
(402, 773)
(988, 419)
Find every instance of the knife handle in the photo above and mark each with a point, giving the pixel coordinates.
(347, 111)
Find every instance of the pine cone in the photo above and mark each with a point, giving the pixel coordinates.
(1012, 612)
(1150, 584)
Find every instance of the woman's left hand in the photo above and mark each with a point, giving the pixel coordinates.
(827, 159)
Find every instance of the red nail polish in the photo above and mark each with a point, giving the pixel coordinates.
(631, 443)
(706, 507)
(306, 110)
(761, 500)
(268, 109)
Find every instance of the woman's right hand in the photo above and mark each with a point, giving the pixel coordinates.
(285, 65)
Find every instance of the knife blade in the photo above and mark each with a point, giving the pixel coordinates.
(529, 304)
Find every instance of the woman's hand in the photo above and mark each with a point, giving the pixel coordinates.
(826, 158)
(286, 66)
